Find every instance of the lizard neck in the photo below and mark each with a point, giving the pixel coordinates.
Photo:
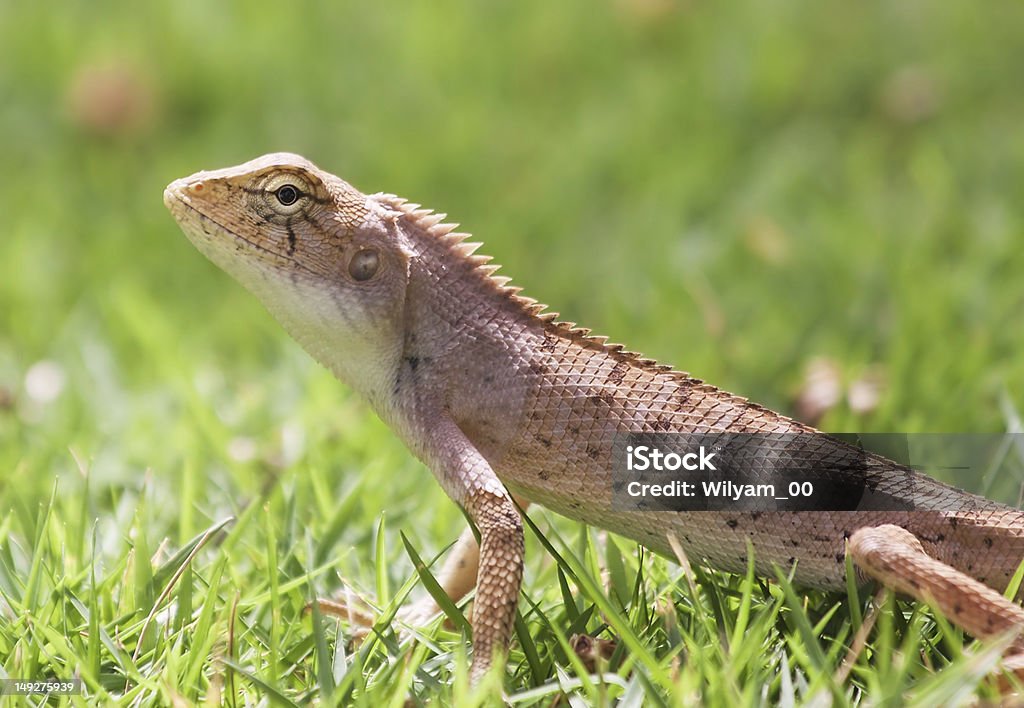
(365, 360)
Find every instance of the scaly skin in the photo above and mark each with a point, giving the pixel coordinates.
(496, 398)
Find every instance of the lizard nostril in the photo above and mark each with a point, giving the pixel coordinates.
(197, 187)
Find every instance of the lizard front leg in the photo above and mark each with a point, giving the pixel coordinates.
(895, 557)
(494, 564)
(498, 579)
(470, 482)
(457, 576)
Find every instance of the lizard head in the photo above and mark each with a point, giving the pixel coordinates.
(325, 259)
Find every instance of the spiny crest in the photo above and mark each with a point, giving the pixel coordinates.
(455, 241)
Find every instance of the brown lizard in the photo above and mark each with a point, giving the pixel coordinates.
(502, 401)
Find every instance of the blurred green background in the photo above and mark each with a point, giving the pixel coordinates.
(741, 189)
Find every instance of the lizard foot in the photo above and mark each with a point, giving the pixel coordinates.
(361, 618)
(1012, 676)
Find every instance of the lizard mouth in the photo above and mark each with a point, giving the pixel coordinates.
(178, 203)
(176, 194)
(172, 195)
(196, 224)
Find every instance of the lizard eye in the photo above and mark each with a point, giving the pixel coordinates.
(283, 194)
(364, 264)
(287, 194)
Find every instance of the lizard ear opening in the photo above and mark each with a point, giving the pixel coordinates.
(364, 264)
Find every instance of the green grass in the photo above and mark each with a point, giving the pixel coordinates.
(736, 188)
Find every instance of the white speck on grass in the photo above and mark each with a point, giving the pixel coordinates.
(242, 449)
(44, 381)
(866, 393)
(293, 443)
(165, 616)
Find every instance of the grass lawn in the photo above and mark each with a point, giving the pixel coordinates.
(740, 189)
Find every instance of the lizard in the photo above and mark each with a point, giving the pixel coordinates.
(508, 406)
